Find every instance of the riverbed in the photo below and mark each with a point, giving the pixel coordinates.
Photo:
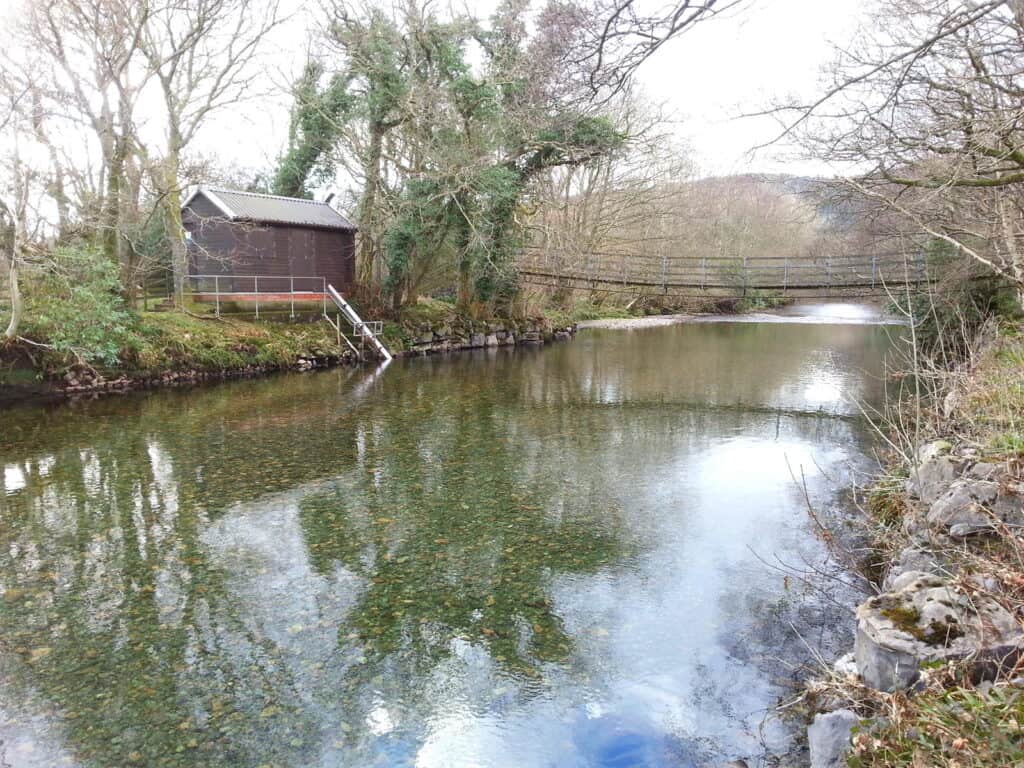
(598, 553)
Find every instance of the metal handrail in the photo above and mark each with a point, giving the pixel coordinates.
(320, 284)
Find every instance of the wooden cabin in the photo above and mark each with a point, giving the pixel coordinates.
(266, 243)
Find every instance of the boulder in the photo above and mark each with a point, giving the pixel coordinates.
(975, 506)
(934, 449)
(828, 738)
(930, 620)
(846, 665)
(913, 559)
(984, 470)
(477, 340)
(933, 477)
(491, 340)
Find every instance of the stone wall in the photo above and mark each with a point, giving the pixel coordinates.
(455, 336)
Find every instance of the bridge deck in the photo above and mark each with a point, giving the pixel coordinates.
(850, 274)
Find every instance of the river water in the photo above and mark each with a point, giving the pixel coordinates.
(574, 556)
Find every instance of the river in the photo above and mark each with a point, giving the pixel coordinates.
(583, 555)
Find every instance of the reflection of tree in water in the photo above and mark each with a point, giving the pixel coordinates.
(119, 620)
(122, 624)
(456, 539)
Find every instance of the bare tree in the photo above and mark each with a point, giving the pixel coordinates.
(618, 36)
(928, 104)
(80, 56)
(203, 55)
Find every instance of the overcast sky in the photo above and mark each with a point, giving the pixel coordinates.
(706, 78)
(739, 64)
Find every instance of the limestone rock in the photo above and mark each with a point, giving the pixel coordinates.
(828, 738)
(984, 470)
(476, 340)
(846, 665)
(913, 559)
(933, 449)
(973, 506)
(491, 340)
(933, 477)
(928, 620)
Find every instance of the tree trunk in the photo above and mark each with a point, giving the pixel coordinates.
(175, 232)
(367, 269)
(15, 291)
(1016, 259)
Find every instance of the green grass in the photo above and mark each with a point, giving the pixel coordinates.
(992, 411)
(165, 341)
(962, 728)
(585, 310)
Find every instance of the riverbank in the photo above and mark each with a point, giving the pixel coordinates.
(935, 674)
(173, 348)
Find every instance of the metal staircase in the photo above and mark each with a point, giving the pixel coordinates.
(364, 331)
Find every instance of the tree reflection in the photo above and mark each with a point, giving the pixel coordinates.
(458, 534)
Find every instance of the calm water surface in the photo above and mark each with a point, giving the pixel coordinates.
(558, 557)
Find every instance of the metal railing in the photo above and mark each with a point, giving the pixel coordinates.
(226, 288)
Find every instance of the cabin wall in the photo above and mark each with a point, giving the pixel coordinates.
(221, 247)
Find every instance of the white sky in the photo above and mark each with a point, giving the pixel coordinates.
(730, 66)
(705, 79)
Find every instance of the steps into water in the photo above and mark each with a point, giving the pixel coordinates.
(368, 331)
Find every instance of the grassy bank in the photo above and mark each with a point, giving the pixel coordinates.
(974, 409)
(155, 346)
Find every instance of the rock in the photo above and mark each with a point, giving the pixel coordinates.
(913, 559)
(476, 340)
(984, 470)
(907, 578)
(828, 738)
(491, 340)
(964, 502)
(933, 477)
(976, 506)
(736, 764)
(846, 665)
(426, 338)
(934, 449)
(929, 620)
(510, 339)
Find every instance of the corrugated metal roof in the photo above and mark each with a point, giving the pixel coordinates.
(273, 209)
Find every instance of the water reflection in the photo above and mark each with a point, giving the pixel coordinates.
(499, 559)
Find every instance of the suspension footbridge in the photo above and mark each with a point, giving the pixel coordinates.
(805, 276)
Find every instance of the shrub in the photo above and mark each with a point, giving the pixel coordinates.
(75, 306)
